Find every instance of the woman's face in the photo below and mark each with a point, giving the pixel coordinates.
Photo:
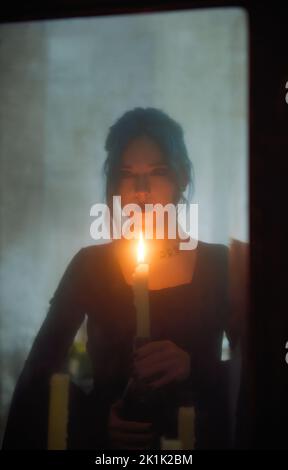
(145, 178)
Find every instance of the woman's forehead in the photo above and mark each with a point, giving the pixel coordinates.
(142, 150)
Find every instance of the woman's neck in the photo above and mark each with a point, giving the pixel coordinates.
(168, 265)
(154, 249)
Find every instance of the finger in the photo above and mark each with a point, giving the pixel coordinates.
(152, 347)
(165, 380)
(131, 426)
(158, 362)
(157, 355)
(125, 426)
(131, 439)
(154, 370)
(117, 405)
(156, 358)
(125, 446)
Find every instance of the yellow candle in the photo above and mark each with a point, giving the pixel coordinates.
(170, 444)
(186, 427)
(58, 412)
(141, 293)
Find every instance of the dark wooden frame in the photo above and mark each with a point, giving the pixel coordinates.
(263, 413)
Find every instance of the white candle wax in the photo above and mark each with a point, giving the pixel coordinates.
(141, 293)
(141, 299)
(186, 427)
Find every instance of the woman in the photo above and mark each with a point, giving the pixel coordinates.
(147, 162)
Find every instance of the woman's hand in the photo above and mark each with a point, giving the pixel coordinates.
(161, 362)
(128, 434)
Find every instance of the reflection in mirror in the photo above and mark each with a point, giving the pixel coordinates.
(63, 84)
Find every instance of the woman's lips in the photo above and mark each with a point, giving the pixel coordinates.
(143, 208)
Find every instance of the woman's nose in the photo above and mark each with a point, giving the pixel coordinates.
(142, 184)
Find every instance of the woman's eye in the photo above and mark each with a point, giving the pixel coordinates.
(160, 172)
(125, 174)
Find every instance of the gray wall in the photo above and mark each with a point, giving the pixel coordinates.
(62, 84)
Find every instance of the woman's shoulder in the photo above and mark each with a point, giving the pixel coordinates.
(95, 256)
(89, 256)
(87, 267)
(214, 257)
(213, 250)
(96, 251)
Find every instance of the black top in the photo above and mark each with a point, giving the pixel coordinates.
(192, 315)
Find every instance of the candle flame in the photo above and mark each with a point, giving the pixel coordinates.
(141, 249)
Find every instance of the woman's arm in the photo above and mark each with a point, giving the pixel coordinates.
(28, 415)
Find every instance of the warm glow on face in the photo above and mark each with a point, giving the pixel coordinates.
(141, 249)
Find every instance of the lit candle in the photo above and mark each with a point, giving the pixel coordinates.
(141, 294)
(58, 412)
(186, 427)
